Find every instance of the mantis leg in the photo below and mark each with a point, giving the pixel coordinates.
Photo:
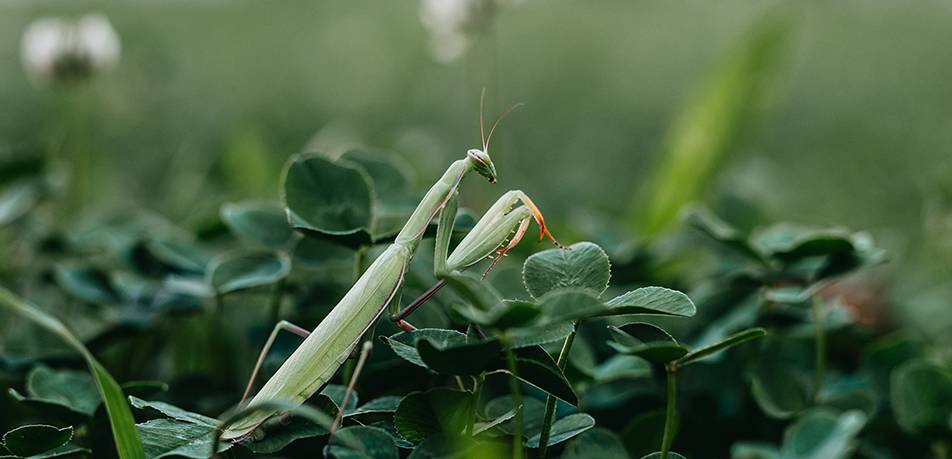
(444, 232)
(364, 354)
(282, 325)
(499, 230)
(393, 311)
(405, 312)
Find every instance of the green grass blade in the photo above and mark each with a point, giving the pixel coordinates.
(730, 341)
(708, 128)
(120, 416)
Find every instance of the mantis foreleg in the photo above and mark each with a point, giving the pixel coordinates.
(498, 231)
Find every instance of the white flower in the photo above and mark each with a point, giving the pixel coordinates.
(62, 49)
(99, 40)
(450, 23)
(442, 15)
(453, 24)
(42, 43)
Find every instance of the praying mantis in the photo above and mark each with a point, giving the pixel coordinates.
(326, 348)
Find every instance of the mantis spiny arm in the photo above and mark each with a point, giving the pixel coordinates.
(498, 231)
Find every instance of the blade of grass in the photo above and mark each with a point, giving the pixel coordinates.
(709, 127)
(730, 341)
(120, 416)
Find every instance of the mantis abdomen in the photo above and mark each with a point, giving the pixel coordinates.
(323, 352)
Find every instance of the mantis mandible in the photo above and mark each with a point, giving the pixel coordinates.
(326, 348)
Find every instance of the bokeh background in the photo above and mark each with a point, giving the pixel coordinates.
(210, 98)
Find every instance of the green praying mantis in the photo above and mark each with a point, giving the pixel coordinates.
(326, 348)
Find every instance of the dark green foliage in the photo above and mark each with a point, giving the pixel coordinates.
(422, 414)
(453, 353)
(595, 442)
(921, 395)
(584, 265)
(120, 418)
(328, 198)
(569, 356)
(466, 359)
(236, 271)
(648, 342)
(35, 440)
(565, 428)
(260, 223)
(360, 442)
(72, 390)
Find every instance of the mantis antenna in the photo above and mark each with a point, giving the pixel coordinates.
(482, 130)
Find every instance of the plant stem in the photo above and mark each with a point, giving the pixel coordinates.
(348, 371)
(820, 358)
(219, 306)
(550, 401)
(275, 307)
(216, 340)
(671, 411)
(360, 262)
(516, 402)
(472, 414)
(364, 354)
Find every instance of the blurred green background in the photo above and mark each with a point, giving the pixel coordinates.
(210, 98)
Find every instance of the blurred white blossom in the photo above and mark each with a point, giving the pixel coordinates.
(57, 49)
(452, 24)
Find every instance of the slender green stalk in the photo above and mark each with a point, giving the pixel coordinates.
(550, 401)
(472, 414)
(217, 342)
(516, 403)
(275, 307)
(219, 305)
(820, 358)
(360, 262)
(348, 371)
(81, 158)
(364, 354)
(671, 411)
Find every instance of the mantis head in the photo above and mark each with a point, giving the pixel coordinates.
(482, 164)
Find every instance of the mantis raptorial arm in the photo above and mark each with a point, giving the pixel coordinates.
(499, 230)
(318, 358)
